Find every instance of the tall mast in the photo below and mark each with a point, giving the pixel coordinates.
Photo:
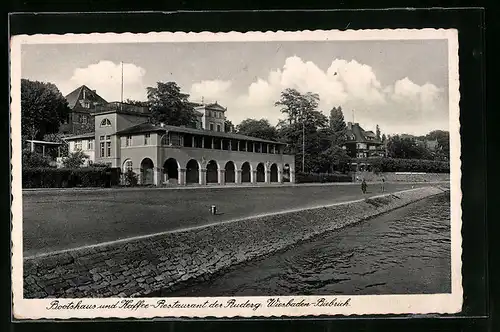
(121, 104)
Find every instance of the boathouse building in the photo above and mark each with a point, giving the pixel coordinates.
(167, 155)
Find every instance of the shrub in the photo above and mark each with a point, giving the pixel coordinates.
(130, 178)
(75, 160)
(34, 159)
(43, 177)
(322, 177)
(408, 165)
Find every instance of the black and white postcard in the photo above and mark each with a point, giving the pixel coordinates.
(235, 174)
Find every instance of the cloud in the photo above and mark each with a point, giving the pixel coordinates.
(106, 76)
(210, 90)
(403, 106)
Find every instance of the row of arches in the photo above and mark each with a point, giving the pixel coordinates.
(170, 172)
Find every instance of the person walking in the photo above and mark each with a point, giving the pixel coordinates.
(363, 186)
(383, 185)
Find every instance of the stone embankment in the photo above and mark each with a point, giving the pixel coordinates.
(168, 261)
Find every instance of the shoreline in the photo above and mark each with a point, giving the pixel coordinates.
(144, 266)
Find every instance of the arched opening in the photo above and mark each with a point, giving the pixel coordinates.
(274, 173)
(171, 171)
(212, 170)
(147, 171)
(286, 173)
(260, 172)
(230, 172)
(245, 172)
(192, 171)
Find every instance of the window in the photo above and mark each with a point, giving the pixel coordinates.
(85, 119)
(78, 145)
(91, 144)
(175, 139)
(128, 166)
(101, 138)
(146, 139)
(105, 123)
(128, 141)
(105, 146)
(212, 127)
(218, 127)
(90, 162)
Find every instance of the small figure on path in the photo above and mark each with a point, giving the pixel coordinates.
(383, 185)
(363, 186)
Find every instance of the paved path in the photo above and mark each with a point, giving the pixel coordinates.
(58, 220)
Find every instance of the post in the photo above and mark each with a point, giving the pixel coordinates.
(238, 176)
(280, 175)
(253, 176)
(182, 176)
(238, 145)
(212, 140)
(267, 175)
(192, 141)
(203, 176)
(292, 175)
(222, 176)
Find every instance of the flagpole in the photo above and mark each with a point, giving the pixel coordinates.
(121, 104)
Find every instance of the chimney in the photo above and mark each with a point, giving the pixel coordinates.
(349, 125)
(94, 91)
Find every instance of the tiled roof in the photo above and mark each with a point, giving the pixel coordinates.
(360, 134)
(149, 127)
(77, 94)
(86, 135)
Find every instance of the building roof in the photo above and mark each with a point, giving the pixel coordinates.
(360, 135)
(78, 94)
(43, 142)
(149, 127)
(81, 136)
(213, 107)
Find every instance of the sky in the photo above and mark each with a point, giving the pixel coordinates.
(400, 85)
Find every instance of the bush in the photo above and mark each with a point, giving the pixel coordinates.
(130, 178)
(34, 159)
(75, 160)
(44, 177)
(408, 165)
(322, 177)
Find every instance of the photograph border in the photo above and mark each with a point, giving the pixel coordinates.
(441, 304)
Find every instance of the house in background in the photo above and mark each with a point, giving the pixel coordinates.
(83, 103)
(361, 143)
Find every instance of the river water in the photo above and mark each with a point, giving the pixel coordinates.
(405, 251)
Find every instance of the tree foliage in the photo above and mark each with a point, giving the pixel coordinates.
(407, 148)
(228, 126)
(75, 160)
(43, 109)
(34, 159)
(338, 126)
(443, 139)
(257, 128)
(377, 133)
(297, 106)
(170, 106)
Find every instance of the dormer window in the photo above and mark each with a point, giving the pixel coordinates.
(105, 123)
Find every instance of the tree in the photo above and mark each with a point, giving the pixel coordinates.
(377, 133)
(306, 130)
(43, 109)
(170, 106)
(406, 148)
(337, 126)
(257, 128)
(75, 160)
(443, 139)
(297, 106)
(384, 138)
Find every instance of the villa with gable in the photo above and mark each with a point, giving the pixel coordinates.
(161, 154)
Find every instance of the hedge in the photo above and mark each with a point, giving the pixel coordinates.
(322, 177)
(69, 178)
(408, 165)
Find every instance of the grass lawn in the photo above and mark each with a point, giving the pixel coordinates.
(69, 219)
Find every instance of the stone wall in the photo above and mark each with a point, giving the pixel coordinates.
(403, 177)
(142, 267)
